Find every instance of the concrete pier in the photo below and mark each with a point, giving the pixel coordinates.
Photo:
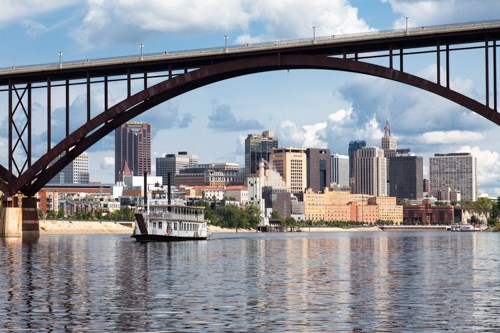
(19, 220)
(11, 218)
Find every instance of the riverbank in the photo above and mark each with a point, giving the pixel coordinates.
(215, 229)
(55, 227)
(58, 227)
(328, 229)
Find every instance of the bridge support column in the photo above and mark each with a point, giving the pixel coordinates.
(11, 218)
(31, 225)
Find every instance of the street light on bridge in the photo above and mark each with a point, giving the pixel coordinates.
(225, 43)
(314, 33)
(141, 46)
(60, 53)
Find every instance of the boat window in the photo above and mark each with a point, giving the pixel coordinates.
(175, 226)
(159, 225)
(154, 225)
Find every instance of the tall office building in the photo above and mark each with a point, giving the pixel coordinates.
(76, 172)
(353, 147)
(389, 142)
(406, 177)
(318, 169)
(258, 147)
(291, 163)
(340, 170)
(453, 172)
(370, 172)
(173, 163)
(132, 149)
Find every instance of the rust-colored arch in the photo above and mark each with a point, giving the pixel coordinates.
(133, 106)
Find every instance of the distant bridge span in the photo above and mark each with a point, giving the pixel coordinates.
(185, 71)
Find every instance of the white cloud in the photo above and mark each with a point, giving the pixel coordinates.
(488, 168)
(34, 28)
(314, 134)
(449, 137)
(108, 161)
(110, 20)
(307, 136)
(431, 12)
(102, 166)
(340, 116)
(290, 135)
(15, 9)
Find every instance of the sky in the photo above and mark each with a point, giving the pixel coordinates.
(305, 108)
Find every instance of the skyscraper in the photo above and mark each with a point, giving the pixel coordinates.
(353, 147)
(455, 171)
(406, 177)
(258, 147)
(340, 170)
(132, 149)
(389, 142)
(291, 163)
(318, 168)
(76, 172)
(370, 172)
(173, 163)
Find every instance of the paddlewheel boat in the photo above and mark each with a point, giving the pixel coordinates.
(161, 221)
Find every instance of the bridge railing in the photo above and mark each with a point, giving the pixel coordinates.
(320, 40)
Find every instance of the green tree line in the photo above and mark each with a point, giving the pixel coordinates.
(123, 214)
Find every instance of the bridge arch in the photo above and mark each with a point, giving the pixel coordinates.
(31, 181)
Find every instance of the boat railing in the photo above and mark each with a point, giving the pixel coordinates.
(177, 216)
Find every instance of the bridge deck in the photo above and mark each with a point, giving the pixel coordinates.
(419, 37)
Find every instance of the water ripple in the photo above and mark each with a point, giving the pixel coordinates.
(297, 282)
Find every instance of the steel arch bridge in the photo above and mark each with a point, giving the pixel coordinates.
(180, 72)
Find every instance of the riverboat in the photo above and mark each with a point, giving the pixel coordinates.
(465, 227)
(161, 221)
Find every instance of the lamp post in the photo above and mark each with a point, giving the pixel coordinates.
(225, 43)
(406, 18)
(141, 46)
(314, 33)
(60, 53)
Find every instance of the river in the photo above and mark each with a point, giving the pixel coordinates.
(433, 281)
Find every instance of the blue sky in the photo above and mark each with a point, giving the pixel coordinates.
(304, 107)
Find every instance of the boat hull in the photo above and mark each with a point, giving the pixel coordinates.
(165, 238)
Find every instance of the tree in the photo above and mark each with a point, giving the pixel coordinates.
(231, 217)
(209, 213)
(309, 223)
(253, 216)
(289, 222)
(483, 205)
(494, 213)
(60, 214)
(276, 215)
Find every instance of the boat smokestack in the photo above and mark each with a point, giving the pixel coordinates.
(145, 190)
(169, 193)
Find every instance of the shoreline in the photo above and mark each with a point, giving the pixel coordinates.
(56, 227)
(216, 229)
(63, 227)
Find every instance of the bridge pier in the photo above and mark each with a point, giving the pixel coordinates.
(11, 218)
(19, 221)
(30, 222)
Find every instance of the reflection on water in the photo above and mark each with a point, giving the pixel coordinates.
(340, 282)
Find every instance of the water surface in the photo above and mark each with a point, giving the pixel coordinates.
(280, 282)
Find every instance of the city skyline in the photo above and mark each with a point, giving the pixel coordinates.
(213, 121)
